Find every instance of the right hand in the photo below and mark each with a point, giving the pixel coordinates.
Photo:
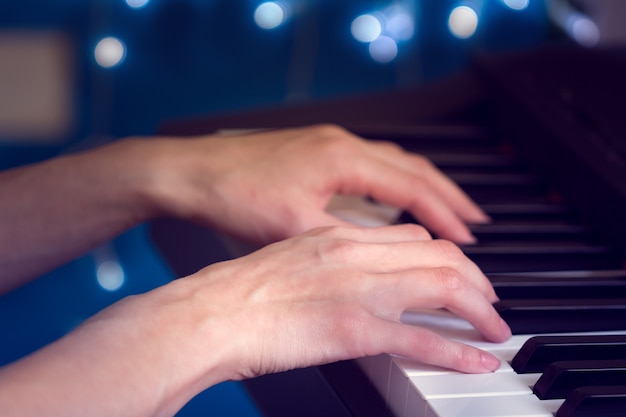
(337, 293)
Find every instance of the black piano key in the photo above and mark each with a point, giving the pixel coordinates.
(598, 401)
(561, 378)
(530, 232)
(468, 138)
(540, 351)
(527, 211)
(541, 256)
(505, 185)
(483, 162)
(540, 316)
(525, 287)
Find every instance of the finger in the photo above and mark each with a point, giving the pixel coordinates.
(429, 347)
(426, 259)
(449, 191)
(394, 293)
(473, 301)
(408, 192)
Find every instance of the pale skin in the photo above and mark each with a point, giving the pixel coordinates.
(330, 291)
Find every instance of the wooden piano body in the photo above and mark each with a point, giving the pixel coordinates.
(556, 113)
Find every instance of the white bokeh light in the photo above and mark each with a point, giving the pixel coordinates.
(137, 4)
(270, 15)
(383, 49)
(110, 275)
(516, 4)
(577, 25)
(109, 52)
(463, 22)
(584, 30)
(400, 25)
(366, 28)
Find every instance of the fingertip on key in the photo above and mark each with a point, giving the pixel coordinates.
(506, 330)
(489, 362)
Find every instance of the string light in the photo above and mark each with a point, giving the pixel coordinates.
(384, 29)
(109, 52)
(463, 21)
(366, 28)
(270, 15)
(518, 5)
(383, 49)
(576, 24)
(137, 4)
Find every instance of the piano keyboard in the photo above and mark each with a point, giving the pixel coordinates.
(412, 389)
(554, 276)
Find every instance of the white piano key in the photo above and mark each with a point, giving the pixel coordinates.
(416, 405)
(469, 385)
(413, 368)
(398, 390)
(502, 406)
(361, 211)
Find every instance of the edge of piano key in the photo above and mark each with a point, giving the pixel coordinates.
(361, 211)
(500, 406)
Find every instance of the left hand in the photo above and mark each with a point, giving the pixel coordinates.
(271, 185)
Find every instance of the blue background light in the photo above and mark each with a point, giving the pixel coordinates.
(270, 15)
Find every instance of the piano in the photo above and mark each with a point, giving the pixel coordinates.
(538, 138)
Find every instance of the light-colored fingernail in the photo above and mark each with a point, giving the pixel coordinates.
(490, 362)
(505, 328)
(468, 239)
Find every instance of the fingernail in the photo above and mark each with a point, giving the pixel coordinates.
(468, 239)
(506, 330)
(490, 362)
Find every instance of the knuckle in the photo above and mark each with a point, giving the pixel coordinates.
(329, 129)
(328, 232)
(336, 249)
(450, 252)
(335, 140)
(389, 146)
(419, 231)
(423, 163)
(423, 160)
(450, 280)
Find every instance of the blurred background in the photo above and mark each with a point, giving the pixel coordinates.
(77, 73)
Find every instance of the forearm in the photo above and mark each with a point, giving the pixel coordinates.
(145, 356)
(56, 210)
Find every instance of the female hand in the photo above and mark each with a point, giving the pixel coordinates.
(338, 292)
(272, 185)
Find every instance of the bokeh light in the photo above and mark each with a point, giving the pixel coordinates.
(110, 275)
(366, 28)
(384, 49)
(400, 24)
(516, 4)
(109, 52)
(583, 30)
(137, 4)
(463, 22)
(270, 15)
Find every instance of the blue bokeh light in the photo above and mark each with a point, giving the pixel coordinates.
(270, 15)
(137, 4)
